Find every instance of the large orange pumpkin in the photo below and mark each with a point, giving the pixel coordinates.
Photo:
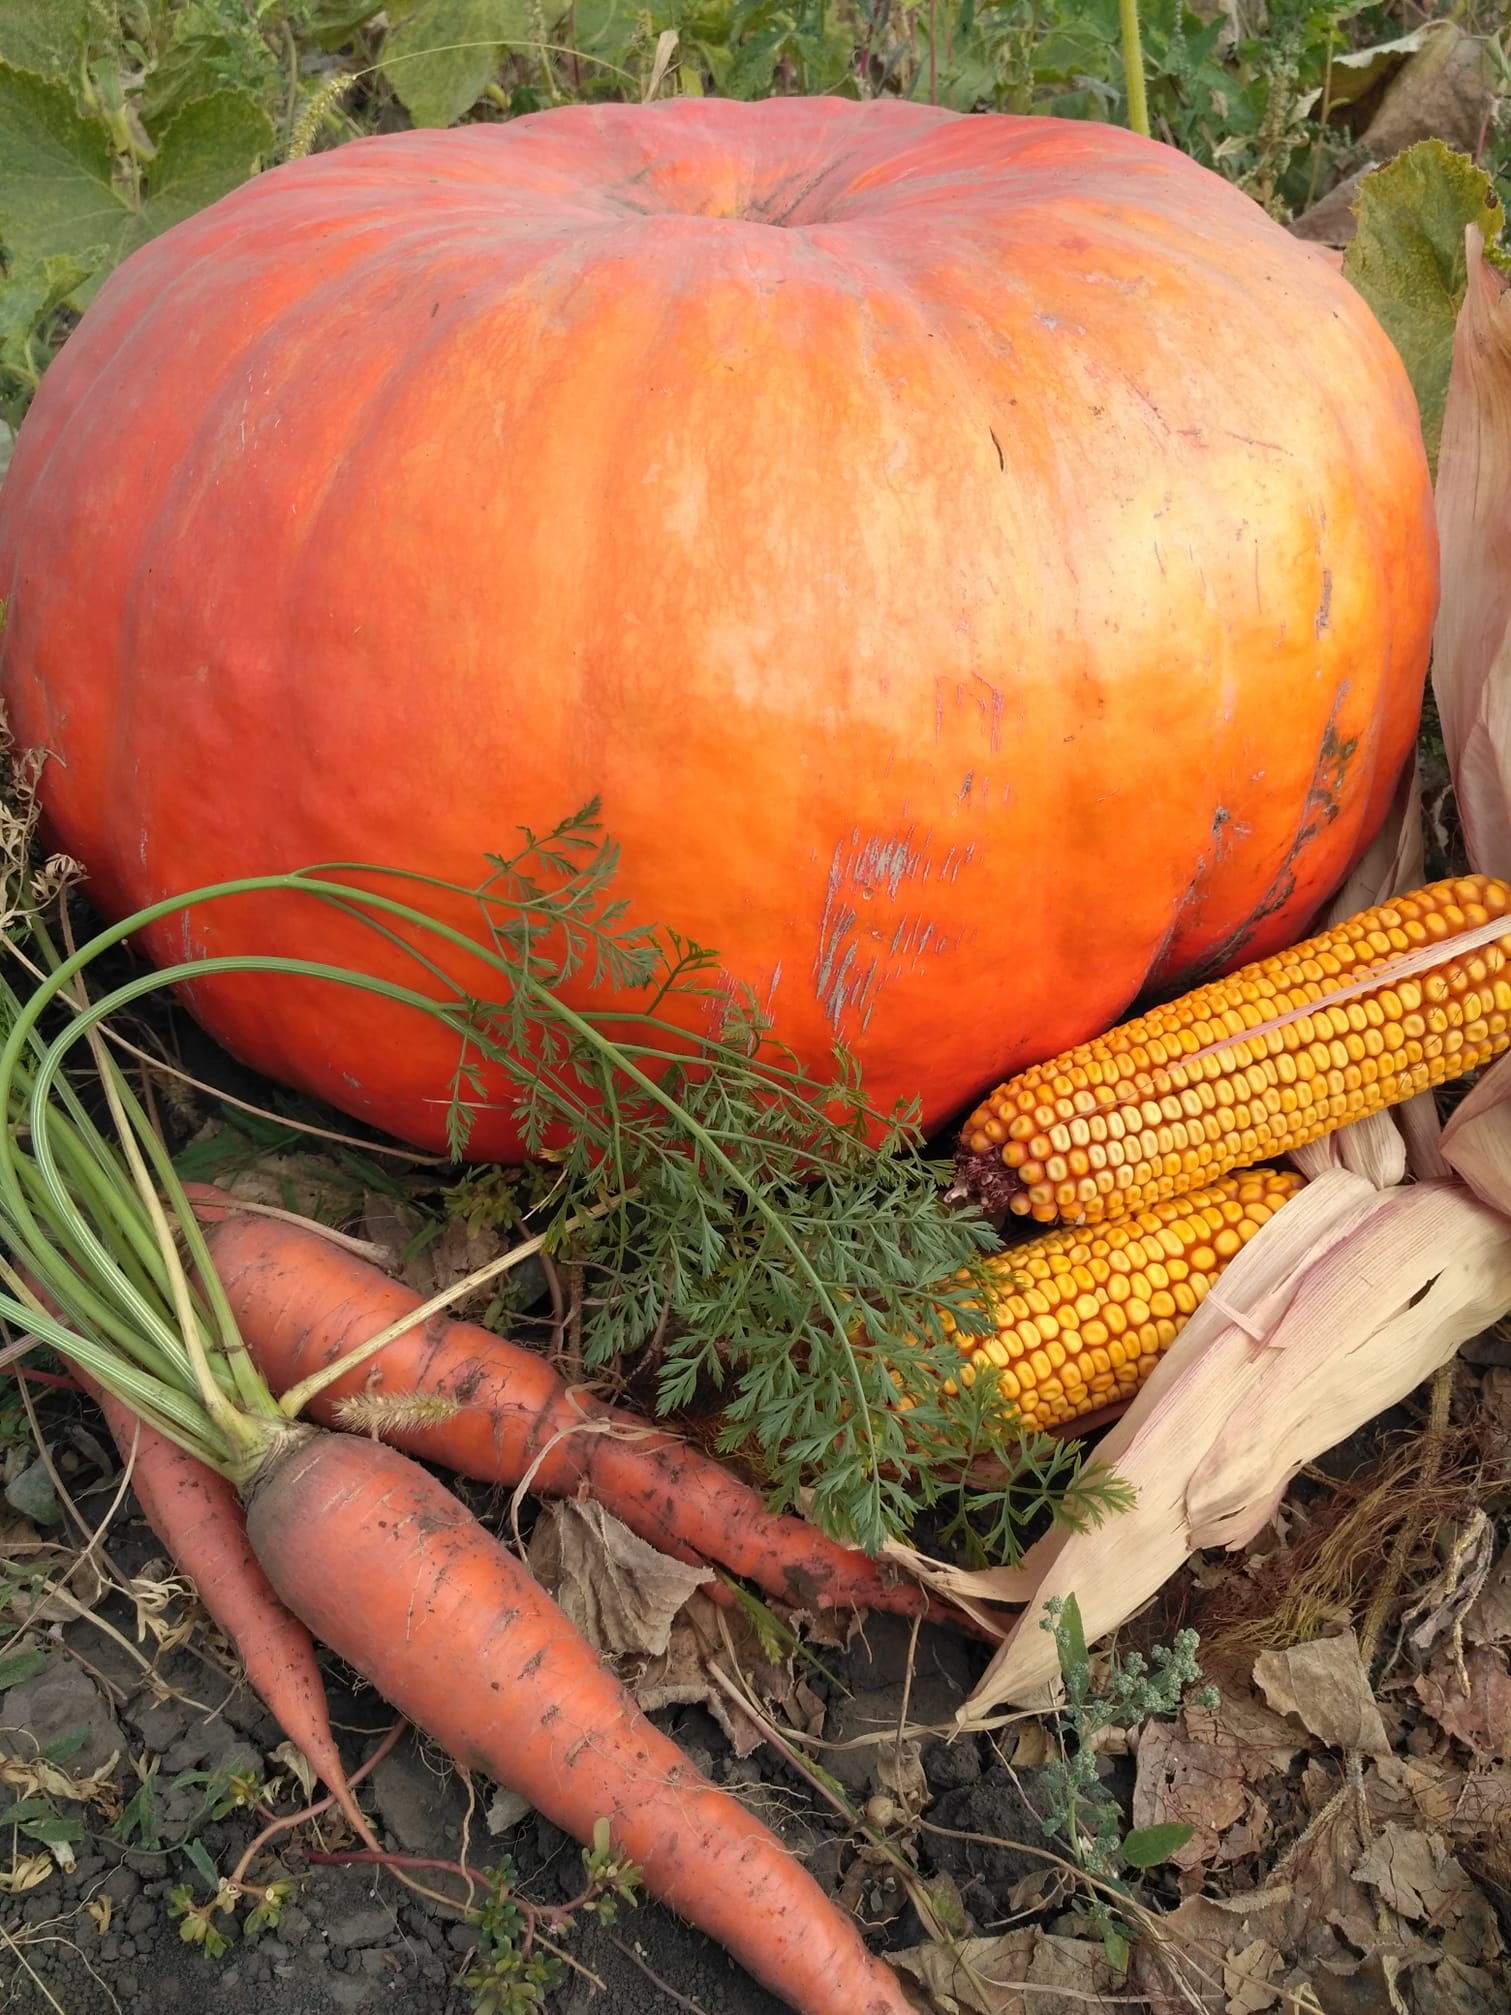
(984, 566)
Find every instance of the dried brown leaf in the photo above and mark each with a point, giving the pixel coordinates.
(1185, 1781)
(1481, 1717)
(1469, 1807)
(1446, 90)
(1263, 1741)
(704, 1634)
(1415, 1874)
(1489, 1619)
(619, 1591)
(1325, 1686)
(1441, 1608)
(1311, 1911)
(1249, 1976)
(1452, 1988)
(1026, 1972)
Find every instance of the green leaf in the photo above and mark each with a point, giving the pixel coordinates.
(1407, 260)
(442, 55)
(204, 1866)
(1148, 1846)
(332, 23)
(43, 35)
(59, 197)
(22, 1810)
(29, 292)
(211, 148)
(1072, 1638)
(138, 1820)
(64, 1745)
(19, 1665)
(53, 1826)
(1115, 1945)
(603, 28)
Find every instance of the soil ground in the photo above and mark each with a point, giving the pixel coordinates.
(103, 1937)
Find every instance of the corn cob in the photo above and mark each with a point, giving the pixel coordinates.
(1381, 1007)
(1082, 1317)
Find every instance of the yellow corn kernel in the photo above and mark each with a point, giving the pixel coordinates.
(1255, 1064)
(1109, 1342)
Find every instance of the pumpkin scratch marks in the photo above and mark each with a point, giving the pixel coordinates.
(856, 952)
(1319, 623)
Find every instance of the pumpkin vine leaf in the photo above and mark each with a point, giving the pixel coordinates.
(784, 1240)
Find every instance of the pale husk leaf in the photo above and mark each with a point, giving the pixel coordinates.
(1471, 671)
(1354, 1341)
(1476, 1142)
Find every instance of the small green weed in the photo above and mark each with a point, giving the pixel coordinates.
(517, 1964)
(1080, 1809)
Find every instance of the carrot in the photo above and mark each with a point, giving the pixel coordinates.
(199, 1518)
(301, 1303)
(394, 1573)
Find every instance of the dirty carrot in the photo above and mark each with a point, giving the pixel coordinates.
(302, 1303)
(199, 1518)
(362, 1545)
(395, 1574)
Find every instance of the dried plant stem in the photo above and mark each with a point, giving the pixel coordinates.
(1433, 1444)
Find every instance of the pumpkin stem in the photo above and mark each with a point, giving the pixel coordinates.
(1133, 66)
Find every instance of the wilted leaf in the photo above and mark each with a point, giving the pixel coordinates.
(1415, 1874)
(619, 1591)
(1353, 72)
(58, 198)
(35, 1777)
(1446, 90)
(1325, 1686)
(1188, 1786)
(441, 55)
(1018, 1974)
(1489, 1620)
(1480, 1718)
(1407, 260)
(26, 1871)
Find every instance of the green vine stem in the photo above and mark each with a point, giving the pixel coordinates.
(1133, 66)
